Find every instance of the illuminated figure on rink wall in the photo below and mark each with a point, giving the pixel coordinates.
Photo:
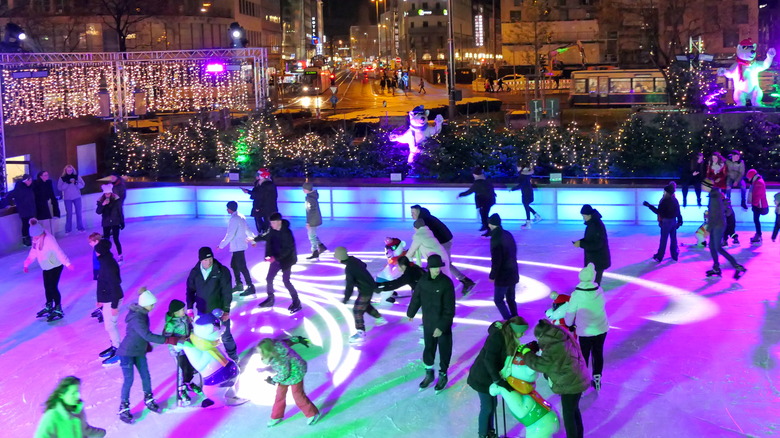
(744, 73)
(419, 130)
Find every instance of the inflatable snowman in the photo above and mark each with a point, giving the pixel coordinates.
(220, 373)
(744, 73)
(394, 248)
(560, 306)
(418, 131)
(525, 404)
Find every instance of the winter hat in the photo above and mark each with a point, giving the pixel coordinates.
(146, 298)
(586, 209)
(174, 306)
(419, 223)
(308, 186)
(587, 274)
(340, 253)
(264, 173)
(204, 253)
(36, 229)
(435, 261)
(103, 246)
(107, 188)
(777, 197)
(26, 177)
(232, 206)
(560, 298)
(750, 174)
(670, 187)
(494, 219)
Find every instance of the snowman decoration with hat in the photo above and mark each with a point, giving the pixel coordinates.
(744, 73)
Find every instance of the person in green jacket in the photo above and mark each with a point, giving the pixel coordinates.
(64, 415)
(562, 361)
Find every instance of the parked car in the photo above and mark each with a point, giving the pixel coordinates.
(513, 81)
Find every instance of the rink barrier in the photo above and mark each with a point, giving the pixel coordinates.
(556, 204)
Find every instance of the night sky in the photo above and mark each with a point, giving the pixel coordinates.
(340, 14)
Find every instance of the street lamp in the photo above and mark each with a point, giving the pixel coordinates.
(378, 31)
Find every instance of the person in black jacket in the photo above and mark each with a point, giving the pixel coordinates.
(484, 197)
(356, 274)
(503, 267)
(595, 242)
(44, 194)
(132, 353)
(109, 206)
(436, 295)
(410, 275)
(716, 223)
(24, 199)
(669, 219)
(109, 291)
(502, 341)
(263, 196)
(692, 174)
(209, 287)
(281, 253)
(444, 236)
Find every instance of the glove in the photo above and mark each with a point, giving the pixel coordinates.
(504, 384)
(533, 346)
(679, 224)
(301, 340)
(122, 226)
(345, 300)
(270, 380)
(646, 204)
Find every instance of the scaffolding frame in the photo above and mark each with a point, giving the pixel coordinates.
(256, 56)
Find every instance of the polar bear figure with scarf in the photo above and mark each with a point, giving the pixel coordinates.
(744, 73)
(419, 131)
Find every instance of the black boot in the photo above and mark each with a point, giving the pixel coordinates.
(56, 314)
(714, 272)
(468, 285)
(322, 248)
(124, 412)
(268, 302)
(151, 403)
(239, 287)
(314, 255)
(428, 379)
(295, 307)
(44, 313)
(442, 382)
(740, 272)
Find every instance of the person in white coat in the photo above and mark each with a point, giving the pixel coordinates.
(70, 185)
(587, 311)
(51, 259)
(236, 236)
(424, 244)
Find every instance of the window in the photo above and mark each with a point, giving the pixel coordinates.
(741, 14)
(514, 16)
(563, 14)
(580, 86)
(425, 5)
(518, 3)
(643, 85)
(440, 23)
(561, 2)
(411, 25)
(425, 24)
(660, 85)
(730, 38)
(620, 85)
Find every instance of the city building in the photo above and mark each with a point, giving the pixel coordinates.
(302, 29)
(364, 43)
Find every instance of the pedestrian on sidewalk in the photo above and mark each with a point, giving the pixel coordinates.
(236, 236)
(500, 84)
(716, 223)
(594, 242)
(356, 274)
(280, 252)
(422, 86)
(525, 170)
(503, 267)
(51, 259)
(263, 196)
(444, 236)
(758, 201)
(669, 219)
(70, 185)
(313, 220)
(484, 197)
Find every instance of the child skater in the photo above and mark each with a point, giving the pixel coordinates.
(64, 415)
(702, 235)
(313, 220)
(178, 324)
(109, 292)
(289, 369)
(93, 240)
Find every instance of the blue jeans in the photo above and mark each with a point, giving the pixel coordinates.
(508, 292)
(313, 239)
(70, 206)
(127, 363)
(487, 413)
(716, 247)
(668, 230)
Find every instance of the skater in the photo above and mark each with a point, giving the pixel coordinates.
(356, 274)
(313, 220)
(109, 293)
(562, 361)
(424, 244)
(503, 267)
(109, 206)
(484, 197)
(595, 242)
(758, 201)
(735, 174)
(44, 195)
(236, 236)
(93, 240)
(669, 219)
(281, 254)
(422, 86)
(64, 415)
(51, 258)
(132, 353)
(502, 342)
(263, 196)
(410, 275)
(776, 228)
(24, 199)
(435, 294)
(444, 236)
(587, 311)
(209, 288)
(716, 222)
(525, 170)
(731, 224)
(692, 174)
(119, 188)
(70, 185)
(289, 371)
(702, 235)
(716, 171)
(178, 324)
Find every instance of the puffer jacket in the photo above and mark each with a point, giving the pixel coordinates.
(486, 368)
(111, 212)
(24, 199)
(484, 194)
(59, 422)
(440, 231)
(137, 337)
(424, 244)
(560, 359)
(757, 194)
(436, 297)
(175, 326)
(288, 365)
(313, 214)
(503, 258)
(595, 243)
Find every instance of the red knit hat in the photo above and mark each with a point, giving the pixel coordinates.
(559, 298)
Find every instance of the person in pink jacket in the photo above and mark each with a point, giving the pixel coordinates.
(758, 201)
(51, 259)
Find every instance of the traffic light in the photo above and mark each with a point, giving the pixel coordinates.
(542, 60)
(237, 36)
(333, 76)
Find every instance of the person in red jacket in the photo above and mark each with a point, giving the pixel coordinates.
(717, 171)
(758, 201)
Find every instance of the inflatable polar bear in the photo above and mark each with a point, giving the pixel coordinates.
(418, 131)
(744, 73)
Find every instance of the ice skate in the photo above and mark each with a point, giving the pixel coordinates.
(194, 388)
(322, 248)
(740, 271)
(714, 272)
(268, 302)
(656, 258)
(182, 397)
(111, 359)
(358, 337)
(295, 307)
(151, 403)
(735, 239)
(315, 255)
(468, 286)
(273, 422)
(596, 382)
(239, 287)
(756, 239)
(526, 225)
(124, 412)
(44, 313)
(441, 383)
(107, 352)
(380, 322)
(311, 421)
(56, 314)
(97, 313)
(537, 217)
(249, 292)
(426, 382)
(235, 401)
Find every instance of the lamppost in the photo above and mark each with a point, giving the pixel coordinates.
(378, 31)
(451, 62)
